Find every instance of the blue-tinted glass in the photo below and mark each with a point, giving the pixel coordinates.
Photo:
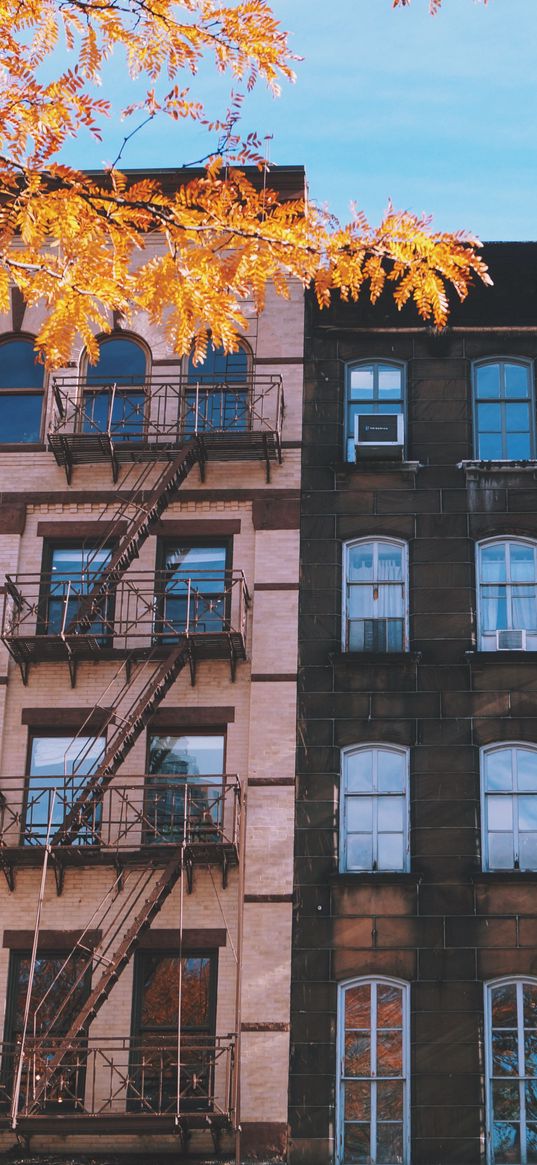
(127, 420)
(389, 381)
(120, 360)
(488, 381)
(74, 572)
(361, 383)
(493, 563)
(517, 380)
(20, 417)
(494, 609)
(59, 763)
(215, 409)
(489, 418)
(194, 586)
(518, 447)
(517, 418)
(219, 365)
(490, 447)
(394, 407)
(18, 367)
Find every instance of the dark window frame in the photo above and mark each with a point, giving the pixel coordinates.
(50, 733)
(166, 543)
(375, 362)
(525, 362)
(69, 543)
(25, 338)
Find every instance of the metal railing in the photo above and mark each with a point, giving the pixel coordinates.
(167, 410)
(121, 1075)
(203, 813)
(139, 610)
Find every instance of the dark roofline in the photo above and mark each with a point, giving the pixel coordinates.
(288, 181)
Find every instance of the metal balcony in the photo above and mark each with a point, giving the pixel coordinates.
(141, 616)
(146, 819)
(120, 1084)
(118, 423)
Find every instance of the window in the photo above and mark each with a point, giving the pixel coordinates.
(177, 763)
(511, 1059)
(70, 573)
(371, 387)
(374, 616)
(373, 1086)
(507, 573)
(60, 987)
(192, 590)
(217, 396)
(21, 393)
(155, 1023)
(59, 764)
(374, 809)
(503, 411)
(509, 792)
(114, 399)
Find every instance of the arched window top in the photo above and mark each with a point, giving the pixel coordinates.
(18, 364)
(122, 360)
(220, 366)
(509, 806)
(374, 808)
(503, 409)
(507, 594)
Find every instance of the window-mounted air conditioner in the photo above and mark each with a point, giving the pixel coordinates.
(379, 435)
(511, 640)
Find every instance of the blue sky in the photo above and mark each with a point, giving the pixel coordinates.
(437, 113)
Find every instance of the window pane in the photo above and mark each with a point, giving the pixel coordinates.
(359, 771)
(360, 814)
(494, 608)
(19, 367)
(530, 1005)
(493, 563)
(489, 418)
(390, 382)
(389, 1008)
(360, 603)
(390, 559)
(488, 380)
(501, 854)
(528, 851)
(20, 417)
(517, 380)
(219, 366)
(500, 813)
(357, 1101)
(189, 755)
(527, 813)
(522, 560)
(498, 769)
(526, 768)
(390, 814)
(390, 851)
(120, 360)
(389, 1144)
(358, 1007)
(530, 1052)
(361, 562)
(360, 851)
(506, 1100)
(361, 383)
(531, 1143)
(504, 1008)
(356, 1149)
(517, 446)
(506, 1144)
(391, 770)
(357, 1055)
(517, 418)
(389, 1053)
(390, 1100)
(490, 447)
(504, 1054)
(525, 607)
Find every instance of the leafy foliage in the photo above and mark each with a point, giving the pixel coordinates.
(84, 244)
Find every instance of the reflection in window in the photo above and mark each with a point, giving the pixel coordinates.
(376, 387)
(217, 396)
(374, 822)
(174, 761)
(511, 1020)
(155, 1030)
(21, 393)
(60, 764)
(504, 411)
(373, 1099)
(192, 584)
(74, 572)
(507, 573)
(374, 600)
(115, 403)
(509, 807)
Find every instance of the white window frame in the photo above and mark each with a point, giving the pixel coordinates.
(373, 362)
(484, 642)
(502, 746)
(372, 981)
(373, 747)
(375, 541)
(500, 361)
(506, 980)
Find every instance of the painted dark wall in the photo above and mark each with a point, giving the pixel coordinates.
(445, 927)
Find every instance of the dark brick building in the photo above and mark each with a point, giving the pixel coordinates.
(414, 1030)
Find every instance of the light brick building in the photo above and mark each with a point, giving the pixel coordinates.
(149, 539)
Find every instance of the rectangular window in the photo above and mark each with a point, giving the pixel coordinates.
(20, 417)
(184, 789)
(160, 981)
(57, 769)
(192, 593)
(70, 572)
(120, 413)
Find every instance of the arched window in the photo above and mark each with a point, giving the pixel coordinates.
(374, 809)
(217, 396)
(371, 386)
(114, 394)
(507, 595)
(374, 596)
(509, 806)
(21, 392)
(511, 1071)
(504, 410)
(373, 1101)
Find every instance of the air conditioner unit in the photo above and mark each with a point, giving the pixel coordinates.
(379, 435)
(511, 640)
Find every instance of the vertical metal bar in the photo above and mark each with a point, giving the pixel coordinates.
(111, 410)
(180, 979)
(238, 985)
(65, 608)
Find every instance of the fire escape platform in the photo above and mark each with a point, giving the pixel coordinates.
(27, 649)
(74, 448)
(118, 1124)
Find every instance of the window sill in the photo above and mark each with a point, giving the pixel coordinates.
(22, 447)
(499, 656)
(475, 470)
(374, 465)
(396, 877)
(357, 658)
(505, 875)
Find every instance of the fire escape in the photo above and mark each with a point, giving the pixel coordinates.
(153, 831)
